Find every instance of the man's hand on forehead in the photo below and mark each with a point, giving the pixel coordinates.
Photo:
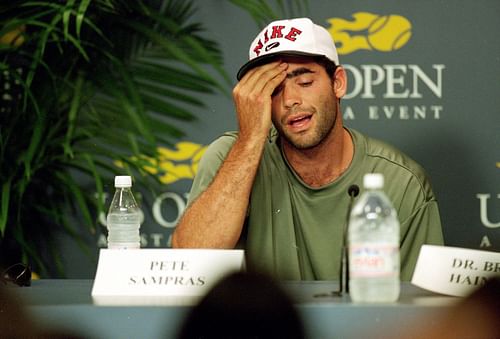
(252, 98)
(265, 66)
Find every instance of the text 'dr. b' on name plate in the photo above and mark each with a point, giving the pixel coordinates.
(453, 270)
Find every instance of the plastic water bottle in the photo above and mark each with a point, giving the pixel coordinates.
(124, 217)
(373, 245)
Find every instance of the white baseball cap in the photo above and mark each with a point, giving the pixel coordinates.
(293, 37)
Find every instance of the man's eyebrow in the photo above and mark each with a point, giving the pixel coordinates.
(299, 71)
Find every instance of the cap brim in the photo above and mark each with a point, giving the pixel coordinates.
(265, 59)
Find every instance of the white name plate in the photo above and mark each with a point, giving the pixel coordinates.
(454, 271)
(162, 272)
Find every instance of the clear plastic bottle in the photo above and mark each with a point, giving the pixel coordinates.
(374, 245)
(124, 217)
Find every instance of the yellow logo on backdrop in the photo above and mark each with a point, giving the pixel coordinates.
(175, 164)
(180, 163)
(14, 38)
(370, 31)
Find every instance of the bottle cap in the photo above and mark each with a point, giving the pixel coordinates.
(373, 181)
(123, 181)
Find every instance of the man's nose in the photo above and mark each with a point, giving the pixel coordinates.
(291, 96)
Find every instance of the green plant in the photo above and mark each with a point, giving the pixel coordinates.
(87, 84)
(263, 11)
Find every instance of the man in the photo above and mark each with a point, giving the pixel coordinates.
(279, 185)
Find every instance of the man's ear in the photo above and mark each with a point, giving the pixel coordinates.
(340, 82)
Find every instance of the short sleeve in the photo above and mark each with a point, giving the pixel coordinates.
(210, 163)
(422, 227)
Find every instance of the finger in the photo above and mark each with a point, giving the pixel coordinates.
(271, 85)
(257, 78)
(252, 84)
(258, 69)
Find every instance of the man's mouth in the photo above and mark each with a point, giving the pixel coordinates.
(299, 123)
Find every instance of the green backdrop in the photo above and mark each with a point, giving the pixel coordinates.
(423, 75)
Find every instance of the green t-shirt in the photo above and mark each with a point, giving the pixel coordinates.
(294, 231)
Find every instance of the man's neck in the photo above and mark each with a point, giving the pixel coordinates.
(324, 163)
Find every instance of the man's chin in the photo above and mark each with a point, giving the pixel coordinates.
(302, 142)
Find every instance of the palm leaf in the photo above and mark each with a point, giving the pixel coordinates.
(4, 208)
(263, 11)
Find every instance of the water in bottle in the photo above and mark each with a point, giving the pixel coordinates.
(373, 245)
(124, 217)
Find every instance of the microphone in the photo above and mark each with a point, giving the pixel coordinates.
(353, 192)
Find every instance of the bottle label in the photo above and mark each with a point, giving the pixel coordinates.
(373, 260)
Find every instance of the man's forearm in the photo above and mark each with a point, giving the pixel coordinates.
(215, 219)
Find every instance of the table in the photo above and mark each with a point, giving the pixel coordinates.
(68, 304)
